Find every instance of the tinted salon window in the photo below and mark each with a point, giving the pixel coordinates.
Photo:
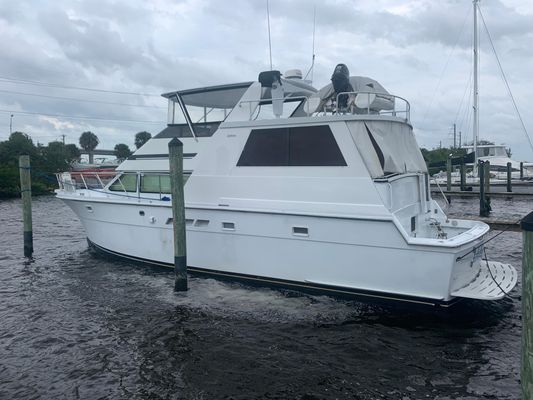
(301, 146)
(266, 147)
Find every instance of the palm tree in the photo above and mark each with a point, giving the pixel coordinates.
(122, 151)
(88, 142)
(141, 138)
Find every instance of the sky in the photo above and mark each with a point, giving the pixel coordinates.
(421, 50)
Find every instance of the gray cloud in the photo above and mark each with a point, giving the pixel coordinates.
(160, 46)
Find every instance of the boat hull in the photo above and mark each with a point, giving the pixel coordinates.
(344, 256)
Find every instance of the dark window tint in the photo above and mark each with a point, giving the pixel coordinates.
(300, 146)
(314, 145)
(266, 147)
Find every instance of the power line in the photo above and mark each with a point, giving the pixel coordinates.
(39, 83)
(78, 99)
(80, 117)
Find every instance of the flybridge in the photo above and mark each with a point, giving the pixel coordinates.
(198, 112)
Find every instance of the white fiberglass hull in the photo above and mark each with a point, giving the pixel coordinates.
(337, 255)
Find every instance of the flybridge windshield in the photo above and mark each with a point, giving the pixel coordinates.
(204, 105)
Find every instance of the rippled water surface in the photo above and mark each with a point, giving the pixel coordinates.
(75, 326)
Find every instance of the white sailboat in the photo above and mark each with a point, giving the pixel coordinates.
(289, 186)
(495, 154)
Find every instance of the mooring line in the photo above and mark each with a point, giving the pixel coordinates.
(489, 239)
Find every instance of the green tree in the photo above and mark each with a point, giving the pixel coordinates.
(141, 138)
(88, 142)
(18, 144)
(72, 153)
(122, 151)
(54, 157)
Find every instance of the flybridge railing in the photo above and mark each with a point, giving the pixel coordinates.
(357, 103)
(372, 103)
(71, 181)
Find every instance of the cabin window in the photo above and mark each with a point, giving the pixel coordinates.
(125, 183)
(158, 183)
(296, 146)
(155, 184)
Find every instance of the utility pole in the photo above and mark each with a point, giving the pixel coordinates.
(63, 136)
(459, 139)
(454, 136)
(11, 124)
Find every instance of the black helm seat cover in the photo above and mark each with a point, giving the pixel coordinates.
(341, 83)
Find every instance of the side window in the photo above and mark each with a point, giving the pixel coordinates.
(150, 183)
(125, 182)
(314, 146)
(298, 146)
(158, 183)
(266, 147)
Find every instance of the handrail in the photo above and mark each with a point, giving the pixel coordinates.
(384, 96)
(333, 108)
(89, 180)
(443, 195)
(70, 186)
(271, 99)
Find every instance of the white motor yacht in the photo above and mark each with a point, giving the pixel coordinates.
(325, 191)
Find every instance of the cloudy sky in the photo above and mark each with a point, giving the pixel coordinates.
(418, 49)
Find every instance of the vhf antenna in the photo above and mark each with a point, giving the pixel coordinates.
(269, 42)
(311, 69)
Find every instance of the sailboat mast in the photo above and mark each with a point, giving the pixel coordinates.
(476, 91)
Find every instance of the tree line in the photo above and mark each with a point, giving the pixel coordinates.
(47, 160)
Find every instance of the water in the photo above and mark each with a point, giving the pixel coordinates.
(74, 326)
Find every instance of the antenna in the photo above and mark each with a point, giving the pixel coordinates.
(269, 42)
(311, 69)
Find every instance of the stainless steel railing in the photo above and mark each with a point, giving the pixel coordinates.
(357, 103)
(72, 181)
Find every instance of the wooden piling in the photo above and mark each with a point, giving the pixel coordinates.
(463, 177)
(483, 211)
(521, 170)
(175, 158)
(509, 170)
(25, 191)
(449, 174)
(486, 165)
(527, 307)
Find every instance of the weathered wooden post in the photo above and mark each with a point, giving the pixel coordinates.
(521, 170)
(175, 158)
(25, 191)
(527, 307)
(463, 177)
(483, 211)
(449, 174)
(488, 207)
(486, 165)
(509, 170)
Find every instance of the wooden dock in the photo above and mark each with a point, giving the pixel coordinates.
(458, 193)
